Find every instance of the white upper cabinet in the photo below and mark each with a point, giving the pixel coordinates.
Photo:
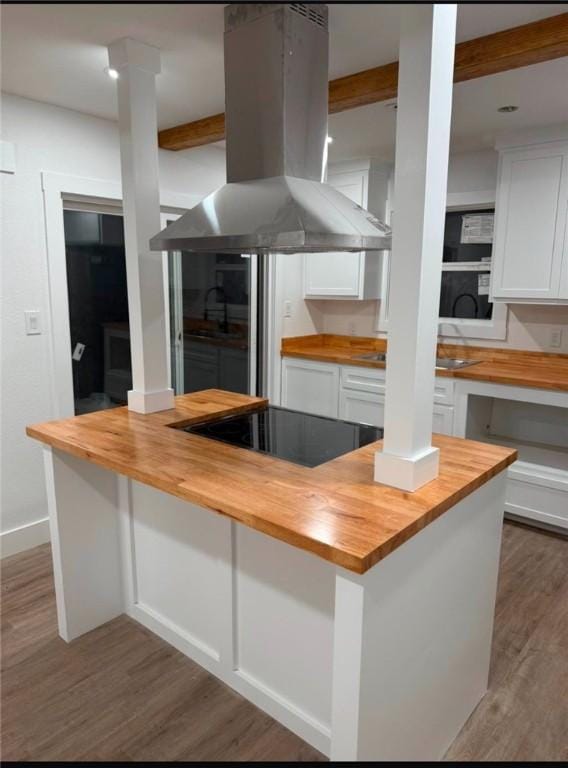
(351, 275)
(530, 259)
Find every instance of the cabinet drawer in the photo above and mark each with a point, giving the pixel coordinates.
(362, 407)
(444, 390)
(537, 493)
(369, 408)
(373, 380)
(363, 379)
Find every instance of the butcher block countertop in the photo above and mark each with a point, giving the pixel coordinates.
(501, 366)
(335, 511)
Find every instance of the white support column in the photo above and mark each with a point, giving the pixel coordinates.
(137, 65)
(425, 82)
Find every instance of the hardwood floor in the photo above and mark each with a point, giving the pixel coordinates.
(524, 716)
(121, 693)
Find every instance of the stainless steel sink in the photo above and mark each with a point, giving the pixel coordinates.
(451, 363)
(375, 357)
(443, 363)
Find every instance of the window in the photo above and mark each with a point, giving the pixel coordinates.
(465, 307)
(466, 269)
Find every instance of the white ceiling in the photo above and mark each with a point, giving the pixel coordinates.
(57, 53)
(539, 91)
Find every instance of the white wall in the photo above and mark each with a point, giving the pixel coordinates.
(56, 140)
(528, 326)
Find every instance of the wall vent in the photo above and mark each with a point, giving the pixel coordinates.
(312, 12)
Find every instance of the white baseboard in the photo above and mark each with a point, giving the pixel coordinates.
(24, 537)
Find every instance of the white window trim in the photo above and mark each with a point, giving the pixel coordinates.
(453, 328)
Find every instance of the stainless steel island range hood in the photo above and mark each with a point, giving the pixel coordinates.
(276, 94)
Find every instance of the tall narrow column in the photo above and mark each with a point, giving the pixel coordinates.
(137, 65)
(425, 80)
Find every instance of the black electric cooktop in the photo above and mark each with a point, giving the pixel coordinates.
(290, 435)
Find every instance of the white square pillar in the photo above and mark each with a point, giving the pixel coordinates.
(425, 83)
(137, 65)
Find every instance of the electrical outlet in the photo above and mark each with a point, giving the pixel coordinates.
(287, 308)
(555, 337)
(351, 328)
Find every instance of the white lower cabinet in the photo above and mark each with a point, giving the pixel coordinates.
(443, 419)
(367, 408)
(310, 386)
(353, 393)
(362, 398)
(362, 407)
(533, 421)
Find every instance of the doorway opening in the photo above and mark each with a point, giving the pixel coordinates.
(98, 308)
(214, 313)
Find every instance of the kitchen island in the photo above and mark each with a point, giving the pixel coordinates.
(358, 615)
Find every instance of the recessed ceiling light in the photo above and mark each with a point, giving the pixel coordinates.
(112, 73)
(329, 139)
(508, 108)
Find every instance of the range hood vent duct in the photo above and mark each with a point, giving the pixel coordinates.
(276, 94)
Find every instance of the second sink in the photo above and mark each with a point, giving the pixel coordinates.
(444, 363)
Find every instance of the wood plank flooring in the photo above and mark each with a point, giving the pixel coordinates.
(120, 693)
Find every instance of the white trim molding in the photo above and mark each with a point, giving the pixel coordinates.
(7, 157)
(24, 537)
(57, 188)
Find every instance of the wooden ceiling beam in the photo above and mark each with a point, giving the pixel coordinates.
(509, 49)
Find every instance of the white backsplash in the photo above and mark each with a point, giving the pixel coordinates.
(529, 326)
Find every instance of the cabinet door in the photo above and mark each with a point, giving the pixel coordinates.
(310, 387)
(362, 407)
(443, 420)
(530, 220)
(564, 272)
(338, 274)
(333, 274)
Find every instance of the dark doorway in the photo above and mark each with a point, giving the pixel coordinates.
(98, 309)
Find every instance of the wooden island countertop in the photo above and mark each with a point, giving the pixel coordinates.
(335, 510)
(501, 366)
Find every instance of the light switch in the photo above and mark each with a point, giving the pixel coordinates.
(33, 326)
(78, 351)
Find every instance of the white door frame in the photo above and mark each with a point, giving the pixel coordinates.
(274, 330)
(174, 283)
(253, 321)
(56, 188)
(177, 283)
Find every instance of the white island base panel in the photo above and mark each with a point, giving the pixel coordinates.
(383, 666)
